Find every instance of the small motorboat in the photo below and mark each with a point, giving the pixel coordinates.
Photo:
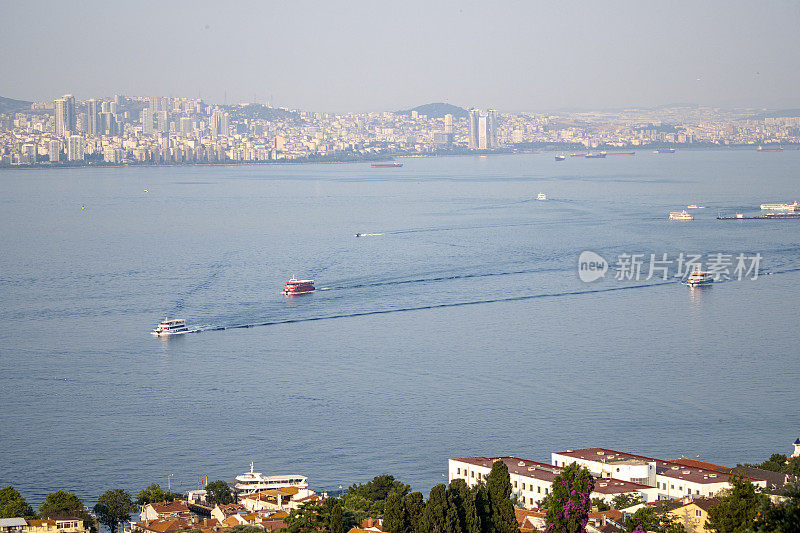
(698, 278)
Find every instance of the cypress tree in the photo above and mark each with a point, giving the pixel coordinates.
(413, 509)
(434, 518)
(498, 485)
(336, 520)
(462, 501)
(483, 510)
(394, 519)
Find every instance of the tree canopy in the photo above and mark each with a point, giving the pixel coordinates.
(623, 501)
(153, 494)
(501, 508)
(219, 493)
(737, 509)
(13, 505)
(569, 506)
(63, 503)
(783, 517)
(653, 520)
(114, 506)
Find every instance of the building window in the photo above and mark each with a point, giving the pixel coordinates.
(698, 512)
(539, 490)
(672, 487)
(515, 485)
(523, 486)
(545, 492)
(472, 475)
(458, 471)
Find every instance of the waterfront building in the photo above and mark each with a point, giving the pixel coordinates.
(75, 148)
(482, 129)
(28, 155)
(147, 121)
(531, 481)
(54, 150)
(56, 525)
(672, 479)
(65, 115)
(93, 117)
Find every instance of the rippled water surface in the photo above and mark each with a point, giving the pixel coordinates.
(459, 327)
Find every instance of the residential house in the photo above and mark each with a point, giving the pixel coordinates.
(694, 513)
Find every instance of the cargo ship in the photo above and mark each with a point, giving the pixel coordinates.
(599, 155)
(295, 287)
(762, 149)
(664, 151)
(387, 165)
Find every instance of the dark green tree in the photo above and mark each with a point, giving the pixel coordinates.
(379, 488)
(655, 520)
(63, 503)
(774, 463)
(306, 519)
(623, 501)
(737, 509)
(153, 494)
(114, 506)
(498, 486)
(783, 517)
(336, 521)
(568, 509)
(394, 515)
(413, 509)
(435, 516)
(13, 505)
(462, 503)
(792, 467)
(483, 507)
(600, 504)
(219, 493)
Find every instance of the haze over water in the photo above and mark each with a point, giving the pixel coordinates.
(460, 329)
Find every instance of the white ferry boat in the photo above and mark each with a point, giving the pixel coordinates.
(680, 215)
(176, 326)
(250, 482)
(541, 196)
(699, 278)
(781, 207)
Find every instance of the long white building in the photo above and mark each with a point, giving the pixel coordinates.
(671, 479)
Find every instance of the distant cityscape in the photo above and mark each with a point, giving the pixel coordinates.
(157, 130)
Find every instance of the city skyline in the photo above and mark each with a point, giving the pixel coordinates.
(363, 57)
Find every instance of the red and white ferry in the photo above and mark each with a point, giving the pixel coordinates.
(298, 286)
(699, 278)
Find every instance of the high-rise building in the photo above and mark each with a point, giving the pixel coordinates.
(75, 147)
(448, 123)
(162, 121)
(28, 155)
(186, 125)
(147, 121)
(482, 129)
(93, 117)
(54, 151)
(65, 115)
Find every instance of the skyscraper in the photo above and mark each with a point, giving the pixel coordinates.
(75, 148)
(147, 121)
(482, 129)
(65, 114)
(448, 123)
(93, 117)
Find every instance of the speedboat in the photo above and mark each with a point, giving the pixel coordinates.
(560, 157)
(250, 482)
(296, 286)
(176, 326)
(541, 196)
(698, 278)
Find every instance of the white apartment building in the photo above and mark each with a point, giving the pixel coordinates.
(531, 481)
(670, 479)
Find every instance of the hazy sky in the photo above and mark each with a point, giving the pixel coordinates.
(358, 55)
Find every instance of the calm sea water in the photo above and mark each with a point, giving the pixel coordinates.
(460, 328)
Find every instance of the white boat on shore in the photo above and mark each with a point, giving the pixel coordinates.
(251, 481)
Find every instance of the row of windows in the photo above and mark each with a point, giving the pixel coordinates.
(539, 488)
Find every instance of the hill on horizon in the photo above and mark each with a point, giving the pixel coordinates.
(9, 105)
(436, 110)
